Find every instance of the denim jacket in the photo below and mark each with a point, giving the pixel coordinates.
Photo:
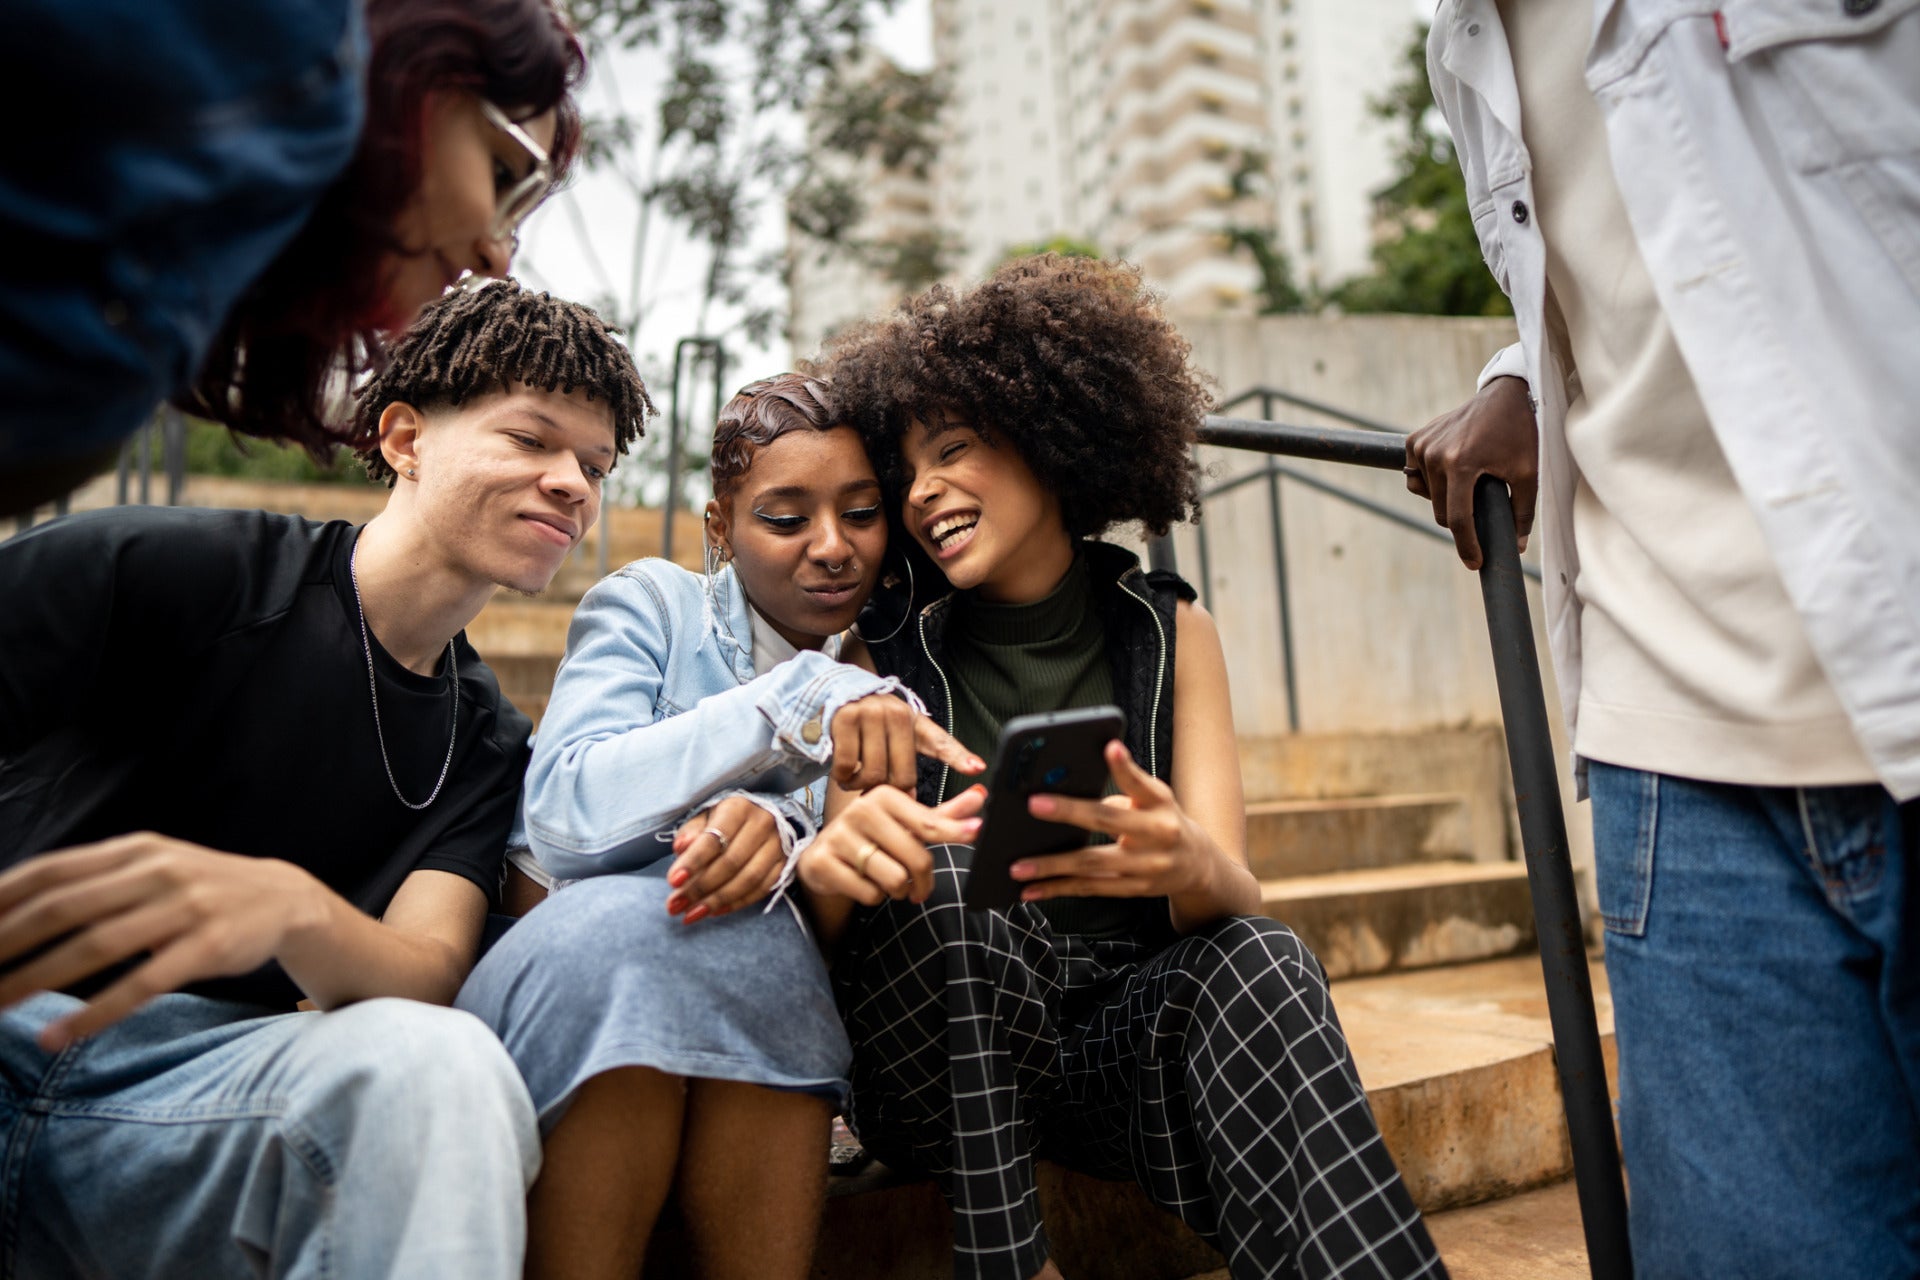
(1768, 155)
(656, 713)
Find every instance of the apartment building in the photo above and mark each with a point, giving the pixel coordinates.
(1157, 128)
(1126, 121)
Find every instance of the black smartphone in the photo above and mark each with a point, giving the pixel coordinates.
(1058, 753)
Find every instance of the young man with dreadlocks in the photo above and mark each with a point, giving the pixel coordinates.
(247, 759)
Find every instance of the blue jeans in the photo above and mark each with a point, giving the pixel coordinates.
(1763, 946)
(218, 1140)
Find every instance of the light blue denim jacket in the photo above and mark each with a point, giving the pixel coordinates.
(656, 713)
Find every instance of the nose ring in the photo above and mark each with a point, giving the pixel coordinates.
(835, 568)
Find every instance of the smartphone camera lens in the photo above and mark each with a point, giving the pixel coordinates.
(1055, 776)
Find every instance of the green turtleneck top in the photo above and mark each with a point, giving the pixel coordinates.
(1007, 660)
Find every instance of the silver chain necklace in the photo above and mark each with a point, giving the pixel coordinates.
(373, 689)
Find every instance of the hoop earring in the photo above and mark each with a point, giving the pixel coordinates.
(855, 628)
(711, 561)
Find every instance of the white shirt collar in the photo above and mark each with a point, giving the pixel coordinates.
(770, 648)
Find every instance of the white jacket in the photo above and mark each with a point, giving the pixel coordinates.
(1768, 155)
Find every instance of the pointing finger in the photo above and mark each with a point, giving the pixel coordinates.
(932, 740)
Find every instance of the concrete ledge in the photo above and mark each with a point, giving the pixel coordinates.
(1312, 837)
(1459, 1067)
(1407, 917)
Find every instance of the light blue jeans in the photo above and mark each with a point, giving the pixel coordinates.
(1763, 946)
(206, 1139)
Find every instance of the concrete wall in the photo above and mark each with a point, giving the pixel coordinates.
(1388, 629)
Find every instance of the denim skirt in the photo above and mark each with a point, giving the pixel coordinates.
(600, 977)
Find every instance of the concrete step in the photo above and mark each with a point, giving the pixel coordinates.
(1458, 1065)
(1407, 917)
(1467, 761)
(522, 641)
(1459, 1068)
(1535, 1235)
(1314, 836)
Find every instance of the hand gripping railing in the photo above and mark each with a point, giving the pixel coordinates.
(1543, 826)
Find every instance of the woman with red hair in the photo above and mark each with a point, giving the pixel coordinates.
(244, 199)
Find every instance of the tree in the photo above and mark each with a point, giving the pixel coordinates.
(1065, 246)
(1278, 293)
(1429, 259)
(722, 141)
(870, 115)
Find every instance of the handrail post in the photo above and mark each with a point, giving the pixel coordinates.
(1556, 903)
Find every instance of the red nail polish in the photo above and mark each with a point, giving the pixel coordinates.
(675, 904)
(698, 913)
(678, 876)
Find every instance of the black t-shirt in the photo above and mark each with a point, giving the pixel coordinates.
(200, 674)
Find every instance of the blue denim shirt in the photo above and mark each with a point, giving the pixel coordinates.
(168, 151)
(656, 711)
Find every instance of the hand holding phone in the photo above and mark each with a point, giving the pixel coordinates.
(1057, 753)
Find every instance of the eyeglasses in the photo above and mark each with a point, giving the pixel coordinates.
(511, 206)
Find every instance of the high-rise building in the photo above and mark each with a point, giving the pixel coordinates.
(1187, 135)
(1157, 128)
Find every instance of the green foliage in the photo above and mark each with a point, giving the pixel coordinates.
(212, 450)
(712, 153)
(873, 112)
(1278, 293)
(1066, 246)
(1429, 261)
(886, 113)
(912, 262)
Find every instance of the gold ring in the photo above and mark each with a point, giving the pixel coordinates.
(861, 858)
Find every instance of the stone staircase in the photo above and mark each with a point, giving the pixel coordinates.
(1458, 1064)
(1392, 855)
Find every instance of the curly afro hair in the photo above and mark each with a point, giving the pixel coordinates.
(486, 337)
(1070, 359)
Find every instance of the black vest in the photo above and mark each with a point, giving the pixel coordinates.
(1136, 611)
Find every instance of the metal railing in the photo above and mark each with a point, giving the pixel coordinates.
(679, 421)
(1272, 473)
(1536, 788)
(134, 471)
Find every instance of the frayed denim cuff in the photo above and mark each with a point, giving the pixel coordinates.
(802, 723)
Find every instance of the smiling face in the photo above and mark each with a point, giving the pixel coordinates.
(982, 514)
(806, 531)
(447, 226)
(506, 485)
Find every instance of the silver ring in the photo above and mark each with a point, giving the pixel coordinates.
(719, 836)
(1412, 471)
(835, 568)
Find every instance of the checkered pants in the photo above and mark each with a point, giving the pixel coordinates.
(1214, 1073)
